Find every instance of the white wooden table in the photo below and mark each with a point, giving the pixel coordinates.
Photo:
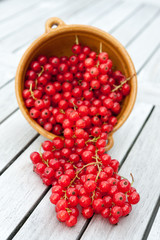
(25, 210)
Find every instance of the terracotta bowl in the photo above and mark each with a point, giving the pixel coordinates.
(58, 41)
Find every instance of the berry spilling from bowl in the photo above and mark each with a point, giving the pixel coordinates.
(79, 98)
(84, 174)
(80, 91)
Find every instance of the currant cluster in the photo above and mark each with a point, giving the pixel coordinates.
(80, 172)
(79, 97)
(80, 91)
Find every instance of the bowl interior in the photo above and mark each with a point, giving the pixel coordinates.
(59, 43)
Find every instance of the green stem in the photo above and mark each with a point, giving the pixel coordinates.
(122, 83)
(77, 40)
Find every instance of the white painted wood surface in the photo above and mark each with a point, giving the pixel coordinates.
(16, 133)
(149, 81)
(9, 9)
(136, 26)
(22, 37)
(144, 44)
(8, 102)
(11, 25)
(129, 33)
(155, 230)
(20, 189)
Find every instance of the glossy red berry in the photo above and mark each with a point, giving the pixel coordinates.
(64, 180)
(71, 221)
(84, 201)
(134, 198)
(87, 212)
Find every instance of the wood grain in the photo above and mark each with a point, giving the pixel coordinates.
(143, 162)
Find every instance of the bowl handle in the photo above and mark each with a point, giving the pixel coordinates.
(53, 21)
(110, 142)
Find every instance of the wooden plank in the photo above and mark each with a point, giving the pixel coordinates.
(155, 230)
(8, 68)
(8, 102)
(31, 32)
(149, 81)
(90, 11)
(15, 134)
(94, 11)
(20, 189)
(114, 18)
(9, 26)
(45, 214)
(10, 8)
(145, 44)
(119, 150)
(143, 162)
(49, 227)
(137, 22)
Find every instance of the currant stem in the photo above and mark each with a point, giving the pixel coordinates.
(77, 40)
(36, 82)
(76, 176)
(100, 49)
(62, 111)
(99, 170)
(92, 140)
(132, 179)
(122, 83)
(32, 94)
(40, 153)
(75, 106)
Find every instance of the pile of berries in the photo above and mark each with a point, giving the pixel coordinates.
(79, 97)
(80, 91)
(84, 175)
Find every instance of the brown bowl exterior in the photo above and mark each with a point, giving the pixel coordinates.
(58, 41)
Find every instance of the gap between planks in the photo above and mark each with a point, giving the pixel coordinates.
(19, 153)
(151, 221)
(28, 213)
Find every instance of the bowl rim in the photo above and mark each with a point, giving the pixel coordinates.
(60, 30)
